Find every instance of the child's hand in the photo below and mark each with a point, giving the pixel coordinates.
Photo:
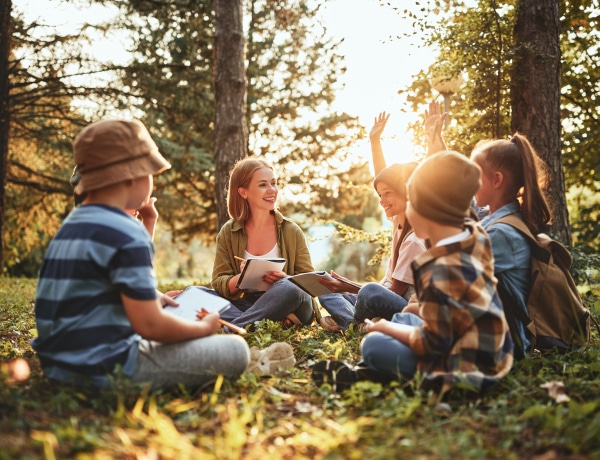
(379, 125)
(169, 298)
(434, 124)
(211, 321)
(378, 326)
(148, 211)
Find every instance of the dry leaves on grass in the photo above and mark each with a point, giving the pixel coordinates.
(556, 390)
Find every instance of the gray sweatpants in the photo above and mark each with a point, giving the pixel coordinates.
(193, 363)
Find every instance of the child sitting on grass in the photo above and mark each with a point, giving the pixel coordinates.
(97, 308)
(460, 334)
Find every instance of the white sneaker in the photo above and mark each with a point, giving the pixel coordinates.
(277, 356)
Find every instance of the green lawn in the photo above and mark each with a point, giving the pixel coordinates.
(286, 416)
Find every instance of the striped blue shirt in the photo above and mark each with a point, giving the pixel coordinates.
(99, 253)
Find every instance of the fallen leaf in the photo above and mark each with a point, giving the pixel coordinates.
(556, 390)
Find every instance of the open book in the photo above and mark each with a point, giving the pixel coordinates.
(254, 271)
(192, 299)
(310, 283)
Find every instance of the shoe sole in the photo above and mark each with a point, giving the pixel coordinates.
(280, 356)
(336, 373)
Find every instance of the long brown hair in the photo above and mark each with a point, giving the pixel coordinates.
(240, 176)
(525, 174)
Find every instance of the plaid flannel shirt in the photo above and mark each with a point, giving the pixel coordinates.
(464, 337)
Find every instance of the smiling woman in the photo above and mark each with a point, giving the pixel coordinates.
(258, 230)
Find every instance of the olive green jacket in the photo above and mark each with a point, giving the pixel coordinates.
(232, 241)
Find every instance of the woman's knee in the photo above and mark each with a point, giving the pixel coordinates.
(288, 291)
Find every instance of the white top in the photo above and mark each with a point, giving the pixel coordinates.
(410, 248)
(273, 253)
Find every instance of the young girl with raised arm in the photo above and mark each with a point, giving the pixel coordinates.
(258, 229)
(392, 293)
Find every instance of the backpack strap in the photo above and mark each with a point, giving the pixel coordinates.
(516, 222)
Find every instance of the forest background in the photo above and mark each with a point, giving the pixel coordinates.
(294, 70)
(527, 63)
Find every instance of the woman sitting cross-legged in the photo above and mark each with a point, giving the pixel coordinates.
(258, 229)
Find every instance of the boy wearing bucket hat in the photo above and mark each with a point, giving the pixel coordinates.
(461, 334)
(97, 308)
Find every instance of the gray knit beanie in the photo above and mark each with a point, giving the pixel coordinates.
(442, 187)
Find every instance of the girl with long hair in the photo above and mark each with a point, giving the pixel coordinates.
(512, 174)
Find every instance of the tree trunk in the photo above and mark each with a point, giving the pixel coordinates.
(5, 32)
(231, 136)
(535, 95)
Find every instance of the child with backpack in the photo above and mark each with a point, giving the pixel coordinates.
(510, 186)
(460, 334)
(518, 213)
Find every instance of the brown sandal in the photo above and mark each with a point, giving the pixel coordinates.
(329, 324)
(289, 321)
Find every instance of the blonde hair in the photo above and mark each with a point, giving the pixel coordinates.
(525, 174)
(240, 176)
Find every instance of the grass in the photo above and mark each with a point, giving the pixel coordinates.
(286, 416)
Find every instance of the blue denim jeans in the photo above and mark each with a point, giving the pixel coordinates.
(387, 355)
(340, 307)
(283, 298)
(376, 300)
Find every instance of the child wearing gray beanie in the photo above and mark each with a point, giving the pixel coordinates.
(442, 190)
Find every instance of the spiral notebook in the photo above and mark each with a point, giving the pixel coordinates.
(254, 271)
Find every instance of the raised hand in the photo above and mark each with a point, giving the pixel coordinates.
(434, 123)
(375, 138)
(379, 125)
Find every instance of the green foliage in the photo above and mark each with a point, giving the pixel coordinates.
(292, 68)
(286, 416)
(171, 72)
(292, 71)
(381, 238)
(585, 267)
(475, 41)
(49, 73)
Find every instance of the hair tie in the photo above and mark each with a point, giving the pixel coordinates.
(513, 139)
